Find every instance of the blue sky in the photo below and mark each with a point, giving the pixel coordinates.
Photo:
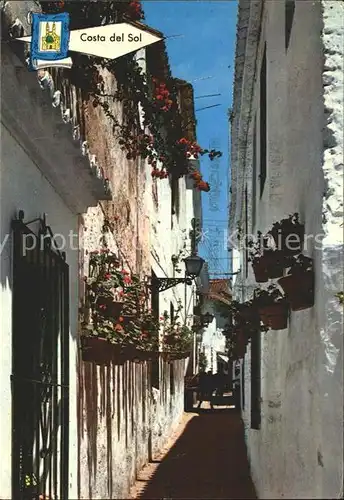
(205, 50)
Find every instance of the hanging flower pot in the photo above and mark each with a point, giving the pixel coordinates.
(166, 356)
(260, 271)
(289, 234)
(108, 307)
(170, 340)
(143, 355)
(240, 346)
(129, 353)
(99, 350)
(274, 262)
(179, 355)
(248, 312)
(299, 290)
(275, 315)
(125, 319)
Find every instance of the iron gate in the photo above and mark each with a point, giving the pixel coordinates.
(40, 361)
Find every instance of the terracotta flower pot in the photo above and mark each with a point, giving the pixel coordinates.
(170, 339)
(109, 307)
(166, 356)
(275, 315)
(260, 272)
(239, 350)
(99, 350)
(127, 318)
(143, 355)
(289, 238)
(299, 290)
(274, 262)
(248, 313)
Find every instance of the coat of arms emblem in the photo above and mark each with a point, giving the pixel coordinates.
(50, 37)
(50, 40)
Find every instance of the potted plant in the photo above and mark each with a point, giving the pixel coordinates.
(100, 350)
(147, 346)
(105, 284)
(288, 234)
(247, 311)
(298, 285)
(275, 261)
(236, 346)
(258, 265)
(272, 307)
(177, 338)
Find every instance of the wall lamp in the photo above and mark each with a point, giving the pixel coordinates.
(206, 319)
(193, 267)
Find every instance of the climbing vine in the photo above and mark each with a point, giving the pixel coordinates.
(164, 147)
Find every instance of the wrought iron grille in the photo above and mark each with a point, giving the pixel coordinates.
(40, 361)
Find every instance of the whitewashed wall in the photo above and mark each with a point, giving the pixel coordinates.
(23, 187)
(122, 418)
(298, 451)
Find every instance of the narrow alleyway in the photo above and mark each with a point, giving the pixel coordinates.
(206, 458)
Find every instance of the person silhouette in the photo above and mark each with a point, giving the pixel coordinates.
(206, 388)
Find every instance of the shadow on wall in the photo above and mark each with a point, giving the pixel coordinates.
(209, 460)
(104, 414)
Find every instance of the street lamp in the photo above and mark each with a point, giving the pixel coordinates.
(207, 318)
(193, 265)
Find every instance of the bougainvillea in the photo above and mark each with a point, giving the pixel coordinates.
(135, 11)
(161, 95)
(194, 150)
(156, 94)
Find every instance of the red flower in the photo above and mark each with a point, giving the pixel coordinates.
(107, 276)
(121, 319)
(124, 271)
(183, 141)
(127, 279)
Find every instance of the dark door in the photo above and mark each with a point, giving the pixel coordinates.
(40, 367)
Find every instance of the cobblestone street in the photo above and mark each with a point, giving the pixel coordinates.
(206, 458)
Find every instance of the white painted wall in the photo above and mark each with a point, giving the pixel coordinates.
(298, 452)
(23, 187)
(213, 340)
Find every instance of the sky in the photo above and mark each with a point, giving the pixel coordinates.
(204, 56)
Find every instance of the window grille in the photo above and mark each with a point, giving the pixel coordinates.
(40, 360)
